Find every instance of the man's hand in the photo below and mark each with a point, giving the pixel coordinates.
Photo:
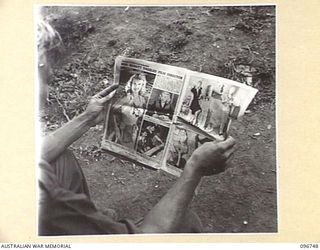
(211, 158)
(169, 214)
(97, 104)
(57, 142)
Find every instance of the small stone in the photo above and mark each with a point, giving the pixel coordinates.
(269, 126)
(112, 173)
(112, 43)
(156, 186)
(245, 222)
(257, 134)
(105, 81)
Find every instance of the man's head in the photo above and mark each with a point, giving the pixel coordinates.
(165, 97)
(152, 128)
(48, 39)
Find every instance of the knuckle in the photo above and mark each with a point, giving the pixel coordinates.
(224, 157)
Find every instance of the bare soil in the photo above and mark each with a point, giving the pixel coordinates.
(213, 40)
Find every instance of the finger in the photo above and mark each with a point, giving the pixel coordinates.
(202, 139)
(228, 143)
(107, 90)
(229, 153)
(108, 97)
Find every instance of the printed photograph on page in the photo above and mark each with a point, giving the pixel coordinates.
(183, 143)
(140, 116)
(211, 103)
(125, 116)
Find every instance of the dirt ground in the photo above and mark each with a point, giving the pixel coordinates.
(213, 40)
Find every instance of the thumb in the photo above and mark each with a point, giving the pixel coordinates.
(108, 97)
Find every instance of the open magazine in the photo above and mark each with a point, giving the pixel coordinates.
(160, 114)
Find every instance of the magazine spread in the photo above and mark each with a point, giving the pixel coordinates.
(160, 114)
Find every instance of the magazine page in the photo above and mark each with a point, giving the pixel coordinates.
(208, 105)
(139, 119)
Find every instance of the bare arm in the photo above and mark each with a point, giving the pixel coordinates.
(158, 139)
(167, 215)
(58, 141)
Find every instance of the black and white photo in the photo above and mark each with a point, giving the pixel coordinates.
(156, 120)
(152, 140)
(162, 104)
(128, 109)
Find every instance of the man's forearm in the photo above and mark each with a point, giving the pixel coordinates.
(58, 141)
(169, 213)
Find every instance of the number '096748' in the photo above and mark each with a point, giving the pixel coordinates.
(307, 246)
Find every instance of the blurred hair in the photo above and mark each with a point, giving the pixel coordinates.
(47, 37)
(47, 40)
